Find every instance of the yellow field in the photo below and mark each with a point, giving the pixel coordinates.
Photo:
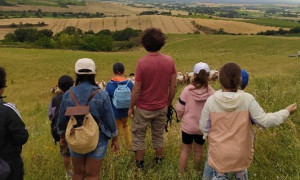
(167, 24)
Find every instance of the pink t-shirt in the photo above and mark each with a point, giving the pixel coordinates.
(154, 71)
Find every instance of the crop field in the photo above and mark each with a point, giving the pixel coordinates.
(274, 82)
(168, 24)
(108, 8)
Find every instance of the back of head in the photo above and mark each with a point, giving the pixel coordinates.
(153, 39)
(230, 76)
(65, 82)
(2, 78)
(201, 74)
(85, 70)
(118, 68)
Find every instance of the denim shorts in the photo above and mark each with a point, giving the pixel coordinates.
(98, 153)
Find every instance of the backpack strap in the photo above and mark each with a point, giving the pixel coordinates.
(91, 96)
(74, 99)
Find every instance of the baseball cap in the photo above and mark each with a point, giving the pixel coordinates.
(245, 78)
(199, 66)
(85, 66)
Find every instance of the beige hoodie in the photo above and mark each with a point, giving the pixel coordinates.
(226, 120)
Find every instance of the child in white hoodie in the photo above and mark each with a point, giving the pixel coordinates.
(189, 107)
(227, 119)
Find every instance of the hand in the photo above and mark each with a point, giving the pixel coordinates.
(291, 108)
(130, 112)
(62, 141)
(115, 144)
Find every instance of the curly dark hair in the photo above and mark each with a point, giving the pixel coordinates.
(65, 82)
(230, 76)
(2, 78)
(153, 39)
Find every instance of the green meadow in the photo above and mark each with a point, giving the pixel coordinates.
(274, 81)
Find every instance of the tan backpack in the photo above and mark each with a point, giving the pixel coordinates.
(81, 138)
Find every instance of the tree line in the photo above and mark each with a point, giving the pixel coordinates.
(40, 14)
(74, 38)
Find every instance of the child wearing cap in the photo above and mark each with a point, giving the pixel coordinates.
(189, 107)
(65, 82)
(88, 165)
(226, 120)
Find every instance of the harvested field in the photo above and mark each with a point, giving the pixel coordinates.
(168, 24)
(107, 8)
(233, 26)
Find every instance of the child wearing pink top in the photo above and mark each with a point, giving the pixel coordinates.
(189, 107)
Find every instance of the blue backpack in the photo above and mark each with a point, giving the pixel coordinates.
(121, 98)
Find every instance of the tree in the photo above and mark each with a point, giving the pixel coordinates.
(126, 34)
(68, 41)
(45, 42)
(47, 32)
(10, 37)
(29, 35)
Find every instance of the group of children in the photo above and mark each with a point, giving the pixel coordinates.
(224, 118)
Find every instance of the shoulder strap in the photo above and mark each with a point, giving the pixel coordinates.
(74, 99)
(93, 94)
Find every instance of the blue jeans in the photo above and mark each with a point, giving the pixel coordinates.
(208, 171)
(240, 175)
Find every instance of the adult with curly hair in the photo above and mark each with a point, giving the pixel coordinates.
(153, 91)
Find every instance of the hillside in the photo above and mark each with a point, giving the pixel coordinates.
(274, 82)
(168, 24)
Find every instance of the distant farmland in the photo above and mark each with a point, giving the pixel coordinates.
(168, 24)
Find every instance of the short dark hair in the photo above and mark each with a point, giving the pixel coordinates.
(230, 76)
(153, 39)
(2, 77)
(65, 82)
(118, 68)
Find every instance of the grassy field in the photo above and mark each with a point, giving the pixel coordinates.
(274, 81)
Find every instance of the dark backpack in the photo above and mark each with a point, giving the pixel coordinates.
(55, 103)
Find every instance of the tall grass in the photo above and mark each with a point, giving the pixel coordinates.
(274, 81)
